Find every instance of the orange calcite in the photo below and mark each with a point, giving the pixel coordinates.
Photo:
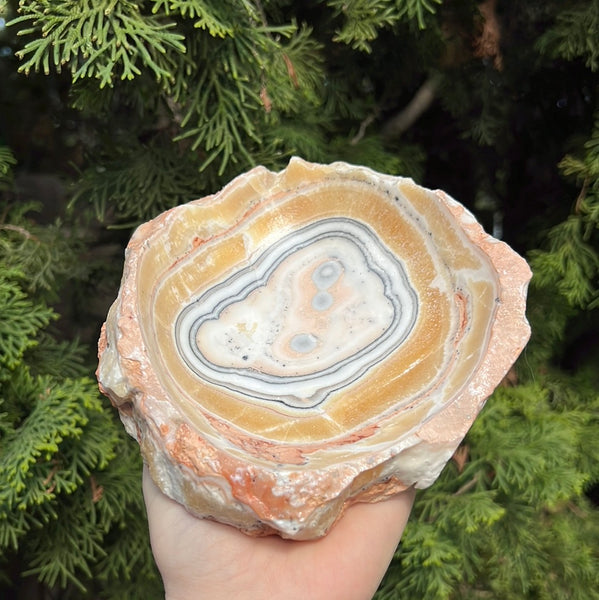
(308, 339)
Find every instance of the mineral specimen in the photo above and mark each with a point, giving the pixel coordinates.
(308, 339)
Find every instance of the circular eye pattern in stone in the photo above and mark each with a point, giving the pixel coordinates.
(308, 339)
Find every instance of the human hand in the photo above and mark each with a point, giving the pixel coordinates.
(201, 559)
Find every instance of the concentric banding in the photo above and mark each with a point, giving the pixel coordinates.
(308, 339)
(270, 333)
(270, 375)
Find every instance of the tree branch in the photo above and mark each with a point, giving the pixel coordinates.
(405, 118)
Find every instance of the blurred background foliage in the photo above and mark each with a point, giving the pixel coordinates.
(112, 111)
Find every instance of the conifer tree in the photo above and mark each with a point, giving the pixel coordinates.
(135, 106)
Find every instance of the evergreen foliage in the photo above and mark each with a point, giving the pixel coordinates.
(69, 476)
(44, 254)
(571, 263)
(93, 39)
(362, 20)
(7, 161)
(135, 107)
(575, 34)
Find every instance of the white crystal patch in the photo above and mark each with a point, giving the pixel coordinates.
(308, 316)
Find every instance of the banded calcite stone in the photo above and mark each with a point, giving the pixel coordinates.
(308, 339)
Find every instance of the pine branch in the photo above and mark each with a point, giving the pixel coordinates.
(59, 410)
(570, 265)
(421, 101)
(520, 434)
(586, 168)
(294, 136)
(406, 160)
(219, 113)
(418, 10)
(431, 561)
(136, 184)
(57, 358)
(20, 319)
(7, 162)
(46, 255)
(574, 34)
(243, 84)
(63, 555)
(293, 72)
(362, 19)
(212, 16)
(101, 39)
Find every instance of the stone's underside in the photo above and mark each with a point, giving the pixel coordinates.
(308, 339)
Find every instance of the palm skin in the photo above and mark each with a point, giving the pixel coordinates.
(201, 559)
